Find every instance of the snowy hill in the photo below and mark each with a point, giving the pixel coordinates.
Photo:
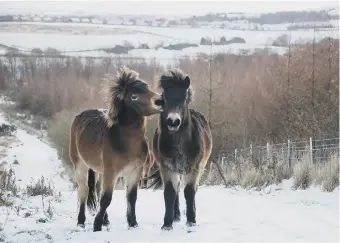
(275, 214)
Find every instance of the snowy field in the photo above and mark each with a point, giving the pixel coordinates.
(75, 37)
(275, 214)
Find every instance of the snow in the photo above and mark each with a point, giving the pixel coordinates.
(275, 214)
(66, 41)
(36, 159)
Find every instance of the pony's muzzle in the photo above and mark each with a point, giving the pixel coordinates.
(158, 100)
(157, 103)
(173, 121)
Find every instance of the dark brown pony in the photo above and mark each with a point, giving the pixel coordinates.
(182, 145)
(112, 142)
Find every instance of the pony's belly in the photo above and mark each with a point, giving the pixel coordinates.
(179, 164)
(98, 168)
(132, 168)
(92, 159)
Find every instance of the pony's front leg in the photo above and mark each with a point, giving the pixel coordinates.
(109, 180)
(190, 194)
(171, 187)
(131, 196)
(177, 212)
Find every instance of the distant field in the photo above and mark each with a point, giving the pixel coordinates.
(74, 37)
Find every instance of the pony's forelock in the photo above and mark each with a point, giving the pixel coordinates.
(173, 76)
(114, 91)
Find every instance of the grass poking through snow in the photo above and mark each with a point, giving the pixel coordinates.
(8, 187)
(246, 174)
(40, 187)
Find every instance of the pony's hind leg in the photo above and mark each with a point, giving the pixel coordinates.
(83, 190)
(109, 180)
(171, 188)
(106, 221)
(131, 195)
(146, 173)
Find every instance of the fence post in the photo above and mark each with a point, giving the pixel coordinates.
(288, 156)
(210, 169)
(222, 164)
(311, 149)
(235, 156)
(268, 151)
(251, 152)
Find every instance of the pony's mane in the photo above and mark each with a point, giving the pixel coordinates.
(175, 76)
(114, 91)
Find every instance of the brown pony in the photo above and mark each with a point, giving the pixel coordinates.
(182, 145)
(112, 142)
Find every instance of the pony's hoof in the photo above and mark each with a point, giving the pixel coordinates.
(133, 226)
(97, 228)
(167, 228)
(81, 226)
(191, 227)
(177, 218)
(106, 223)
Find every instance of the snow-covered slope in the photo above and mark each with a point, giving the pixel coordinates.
(277, 214)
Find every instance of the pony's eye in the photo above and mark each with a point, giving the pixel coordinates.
(134, 97)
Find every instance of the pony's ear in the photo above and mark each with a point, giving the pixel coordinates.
(186, 82)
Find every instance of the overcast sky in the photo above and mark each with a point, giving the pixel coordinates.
(161, 7)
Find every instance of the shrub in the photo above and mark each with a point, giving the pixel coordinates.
(7, 130)
(205, 41)
(52, 52)
(180, 46)
(331, 175)
(159, 45)
(282, 40)
(302, 174)
(8, 187)
(236, 40)
(28, 98)
(128, 45)
(58, 133)
(223, 40)
(37, 51)
(117, 49)
(283, 172)
(327, 174)
(40, 188)
(143, 46)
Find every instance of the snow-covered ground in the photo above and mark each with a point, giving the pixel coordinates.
(276, 214)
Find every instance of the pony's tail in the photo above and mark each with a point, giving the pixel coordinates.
(91, 198)
(157, 182)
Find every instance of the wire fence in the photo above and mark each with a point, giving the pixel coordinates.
(277, 158)
(315, 150)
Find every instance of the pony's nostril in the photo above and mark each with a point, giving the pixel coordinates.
(173, 123)
(159, 102)
(169, 122)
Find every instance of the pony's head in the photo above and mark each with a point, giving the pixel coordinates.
(127, 91)
(176, 96)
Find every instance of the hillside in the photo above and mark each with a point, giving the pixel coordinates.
(276, 213)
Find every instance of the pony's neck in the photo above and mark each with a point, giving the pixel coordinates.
(130, 118)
